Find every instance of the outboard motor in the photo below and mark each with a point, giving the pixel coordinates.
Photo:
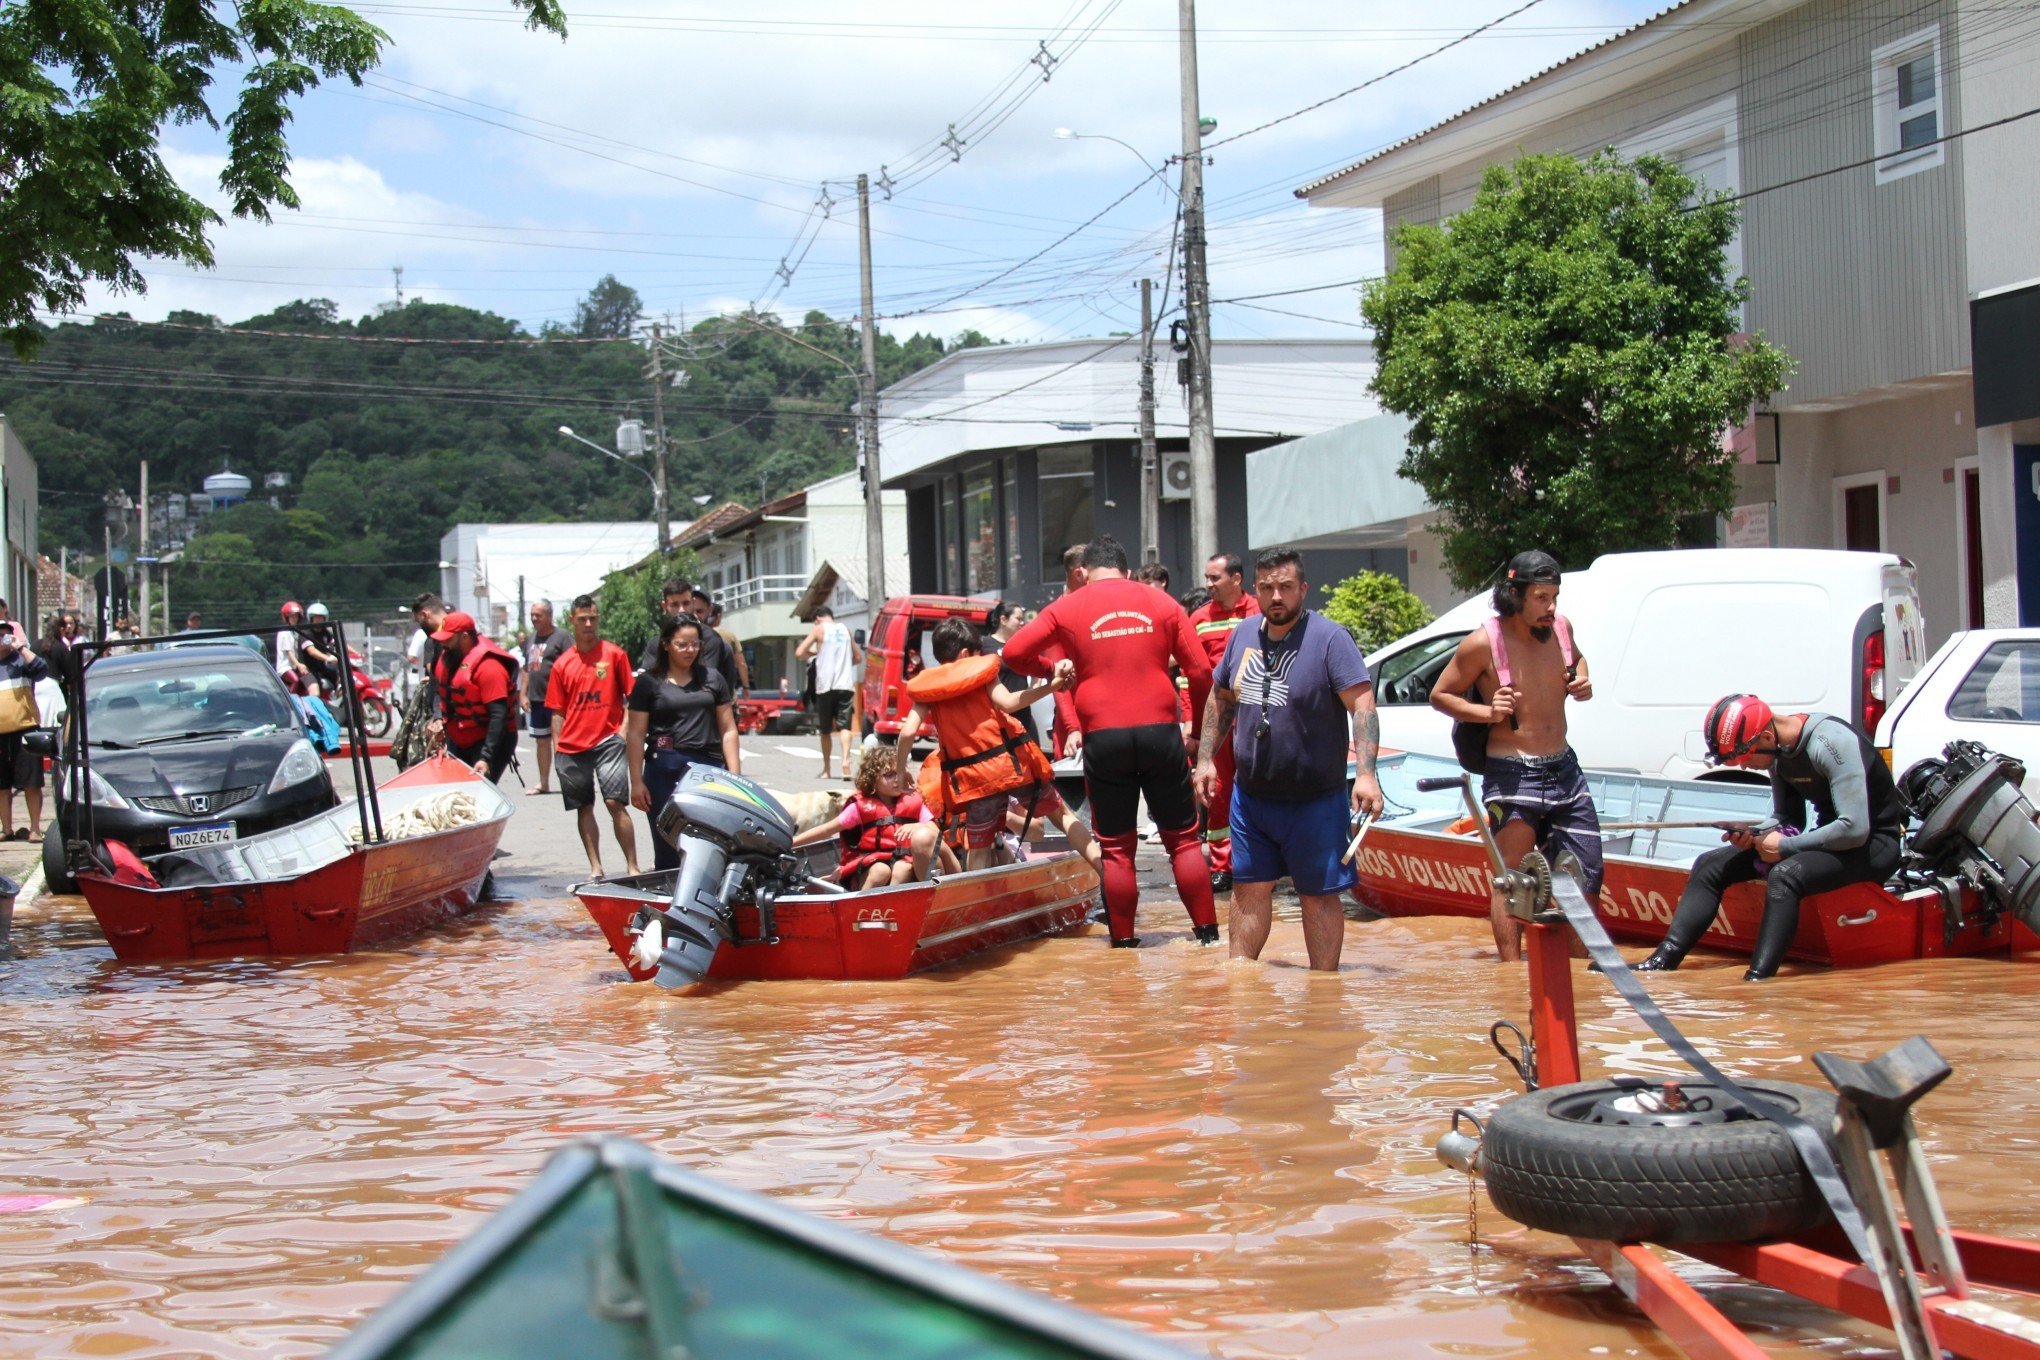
(1974, 819)
(735, 843)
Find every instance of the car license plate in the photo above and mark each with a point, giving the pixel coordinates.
(193, 837)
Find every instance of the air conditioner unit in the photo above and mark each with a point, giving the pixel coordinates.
(1176, 476)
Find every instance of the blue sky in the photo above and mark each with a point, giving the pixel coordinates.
(684, 147)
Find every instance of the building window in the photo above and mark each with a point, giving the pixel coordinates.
(945, 536)
(1065, 479)
(980, 521)
(1009, 503)
(1906, 101)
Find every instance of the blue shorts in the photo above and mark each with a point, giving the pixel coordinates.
(1302, 842)
(541, 721)
(1550, 795)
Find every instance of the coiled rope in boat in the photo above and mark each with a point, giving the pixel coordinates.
(440, 812)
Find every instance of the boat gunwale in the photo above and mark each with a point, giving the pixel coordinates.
(632, 888)
(362, 850)
(1670, 866)
(568, 1169)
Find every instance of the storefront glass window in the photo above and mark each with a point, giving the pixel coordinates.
(1066, 491)
(1009, 503)
(945, 534)
(980, 532)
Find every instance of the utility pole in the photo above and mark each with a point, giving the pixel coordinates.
(658, 376)
(142, 557)
(1197, 306)
(1150, 466)
(520, 601)
(867, 410)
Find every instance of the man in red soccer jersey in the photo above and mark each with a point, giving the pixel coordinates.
(586, 690)
(1119, 636)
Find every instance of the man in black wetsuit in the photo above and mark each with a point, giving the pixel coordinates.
(1812, 758)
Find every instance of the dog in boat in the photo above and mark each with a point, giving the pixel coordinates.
(810, 810)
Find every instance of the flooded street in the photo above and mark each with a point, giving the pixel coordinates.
(1236, 1156)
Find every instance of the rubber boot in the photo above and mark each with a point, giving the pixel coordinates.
(1130, 942)
(1759, 975)
(1206, 934)
(1663, 959)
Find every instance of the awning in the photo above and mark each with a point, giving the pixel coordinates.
(1337, 489)
(850, 574)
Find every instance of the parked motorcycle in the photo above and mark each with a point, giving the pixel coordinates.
(373, 707)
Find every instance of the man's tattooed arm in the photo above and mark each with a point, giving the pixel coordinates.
(1218, 722)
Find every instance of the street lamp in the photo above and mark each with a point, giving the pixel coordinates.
(1154, 172)
(658, 497)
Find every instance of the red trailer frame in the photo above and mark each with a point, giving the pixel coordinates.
(1819, 1267)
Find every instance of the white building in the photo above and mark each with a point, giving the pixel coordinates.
(484, 569)
(772, 567)
(1010, 453)
(20, 493)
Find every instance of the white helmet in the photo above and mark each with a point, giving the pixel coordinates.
(315, 610)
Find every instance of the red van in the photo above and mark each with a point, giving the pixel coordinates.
(897, 649)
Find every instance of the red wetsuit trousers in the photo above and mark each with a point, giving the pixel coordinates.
(1121, 766)
(1218, 816)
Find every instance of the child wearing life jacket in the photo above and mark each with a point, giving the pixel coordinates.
(889, 835)
(987, 764)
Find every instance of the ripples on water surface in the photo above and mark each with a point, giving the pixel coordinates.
(1237, 1156)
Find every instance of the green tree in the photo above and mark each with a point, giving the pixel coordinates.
(630, 599)
(85, 89)
(609, 312)
(1375, 607)
(1567, 350)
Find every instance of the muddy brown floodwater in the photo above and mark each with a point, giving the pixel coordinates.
(1235, 1156)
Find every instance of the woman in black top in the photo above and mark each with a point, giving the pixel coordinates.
(682, 713)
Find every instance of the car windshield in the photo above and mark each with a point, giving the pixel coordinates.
(171, 702)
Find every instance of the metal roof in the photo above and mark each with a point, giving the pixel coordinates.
(1307, 190)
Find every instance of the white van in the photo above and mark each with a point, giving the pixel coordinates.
(1665, 634)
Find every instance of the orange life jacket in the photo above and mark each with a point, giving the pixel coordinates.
(880, 827)
(985, 750)
(467, 718)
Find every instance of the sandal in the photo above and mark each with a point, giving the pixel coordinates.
(20, 833)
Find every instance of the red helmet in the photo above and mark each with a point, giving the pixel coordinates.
(291, 607)
(1733, 726)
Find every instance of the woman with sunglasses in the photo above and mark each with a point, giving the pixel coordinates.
(1814, 758)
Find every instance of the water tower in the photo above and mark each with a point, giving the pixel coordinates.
(227, 488)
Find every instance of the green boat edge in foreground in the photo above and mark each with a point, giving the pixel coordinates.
(612, 1252)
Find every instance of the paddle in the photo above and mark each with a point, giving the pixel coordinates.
(1354, 848)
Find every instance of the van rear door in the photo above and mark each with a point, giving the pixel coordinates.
(1905, 630)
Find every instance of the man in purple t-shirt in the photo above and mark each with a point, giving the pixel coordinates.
(1288, 692)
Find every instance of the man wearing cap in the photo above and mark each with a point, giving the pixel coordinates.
(477, 681)
(1814, 758)
(1513, 677)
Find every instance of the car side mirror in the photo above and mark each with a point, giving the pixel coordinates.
(40, 741)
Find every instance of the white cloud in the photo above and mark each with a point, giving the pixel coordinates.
(821, 90)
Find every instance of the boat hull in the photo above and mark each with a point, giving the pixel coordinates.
(370, 896)
(876, 935)
(1426, 873)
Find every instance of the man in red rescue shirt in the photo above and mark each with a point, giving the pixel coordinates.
(1213, 622)
(476, 680)
(1120, 635)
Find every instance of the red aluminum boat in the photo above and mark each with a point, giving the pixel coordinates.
(1425, 860)
(308, 889)
(876, 935)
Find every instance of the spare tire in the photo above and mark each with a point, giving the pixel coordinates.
(1583, 1161)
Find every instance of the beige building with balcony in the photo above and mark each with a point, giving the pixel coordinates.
(772, 567)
